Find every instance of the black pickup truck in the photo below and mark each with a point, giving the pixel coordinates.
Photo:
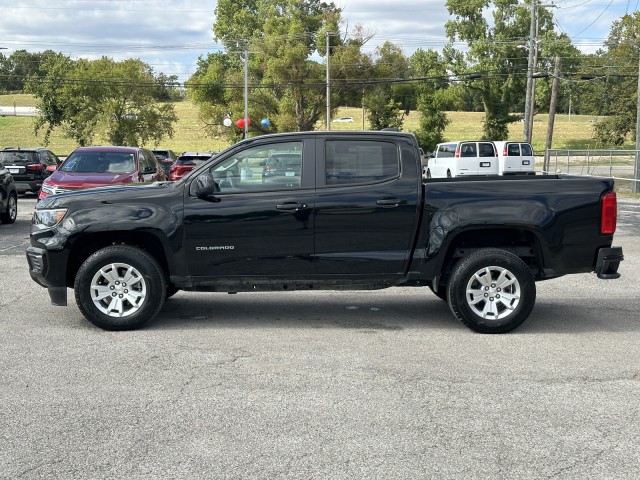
(323, 210)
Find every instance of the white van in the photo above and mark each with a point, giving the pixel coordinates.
(462, 159)
(515, 158)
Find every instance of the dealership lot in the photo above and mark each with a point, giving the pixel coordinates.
(382, 384)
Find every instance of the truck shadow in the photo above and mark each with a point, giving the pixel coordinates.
(369, 313)
(363, 311)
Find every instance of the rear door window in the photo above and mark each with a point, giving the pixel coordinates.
(487, 150)
(513, 150)
(366, 161)
(468, 150)
(526, 149)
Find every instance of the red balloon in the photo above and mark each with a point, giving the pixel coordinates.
(240, 122)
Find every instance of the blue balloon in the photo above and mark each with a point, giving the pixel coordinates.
(265, 122)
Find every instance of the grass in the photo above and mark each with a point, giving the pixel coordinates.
(569, 133)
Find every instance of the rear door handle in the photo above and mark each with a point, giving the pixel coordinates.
(290, 206)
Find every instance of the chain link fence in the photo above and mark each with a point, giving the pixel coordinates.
(620, 165)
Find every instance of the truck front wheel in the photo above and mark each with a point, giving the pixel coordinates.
(120, 288)
(491, 291)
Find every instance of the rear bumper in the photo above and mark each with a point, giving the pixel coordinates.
(23, 186)
(608, 262)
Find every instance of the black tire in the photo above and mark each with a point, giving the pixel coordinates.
(11, 212)
(120, 288)
(441, 292)
(491, 291)
(448, 173)
(428, 173)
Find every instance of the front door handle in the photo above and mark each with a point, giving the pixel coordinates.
(390, 202)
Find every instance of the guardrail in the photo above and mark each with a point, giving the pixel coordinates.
(621, 165)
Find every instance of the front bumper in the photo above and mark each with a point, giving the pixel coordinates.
(608, 262)
(48, 269)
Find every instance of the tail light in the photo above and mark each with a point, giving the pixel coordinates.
(34, 166)
(504, 151)
(609, 213)
(457, 154)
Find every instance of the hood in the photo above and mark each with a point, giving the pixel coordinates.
(87, 180)
(123, 193)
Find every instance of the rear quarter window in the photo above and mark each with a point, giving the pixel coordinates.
(448, 150)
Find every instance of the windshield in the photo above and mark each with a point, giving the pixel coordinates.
(99, 162)
(18, 158)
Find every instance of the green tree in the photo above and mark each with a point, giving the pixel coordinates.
(215, 87)
(495, 63)
(351, 69)
(102, 98)
(386, 101)
(433, 97)
(280, 37)
(19, 66)
(621, 80)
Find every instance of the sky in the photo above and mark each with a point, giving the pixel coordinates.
(169, 35)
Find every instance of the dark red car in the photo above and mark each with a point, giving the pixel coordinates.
(88, 167)
(187, 162)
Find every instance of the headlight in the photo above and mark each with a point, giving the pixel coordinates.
(48, 218)
(48, 190)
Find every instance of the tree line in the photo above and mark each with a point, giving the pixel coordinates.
(285, 46)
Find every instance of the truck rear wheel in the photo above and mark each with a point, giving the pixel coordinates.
(120, 288)
(491, 291)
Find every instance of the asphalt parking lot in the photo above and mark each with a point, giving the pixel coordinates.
(322, 385)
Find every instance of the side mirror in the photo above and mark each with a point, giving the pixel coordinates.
(205, 186)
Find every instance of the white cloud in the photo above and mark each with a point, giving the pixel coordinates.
(171, 34)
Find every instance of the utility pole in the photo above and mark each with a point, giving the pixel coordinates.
(530, 68)
(636, 170)
(552, 113)
(246, 91)
(328, 85)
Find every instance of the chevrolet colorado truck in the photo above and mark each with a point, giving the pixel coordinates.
(323, 210)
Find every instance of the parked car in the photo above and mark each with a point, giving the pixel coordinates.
(186, 162)
(282, 168)
(29, 166)
(166, 159)
(515, 158)
(463, 158)
(88, 167)
(343, 120)
(8, 196)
